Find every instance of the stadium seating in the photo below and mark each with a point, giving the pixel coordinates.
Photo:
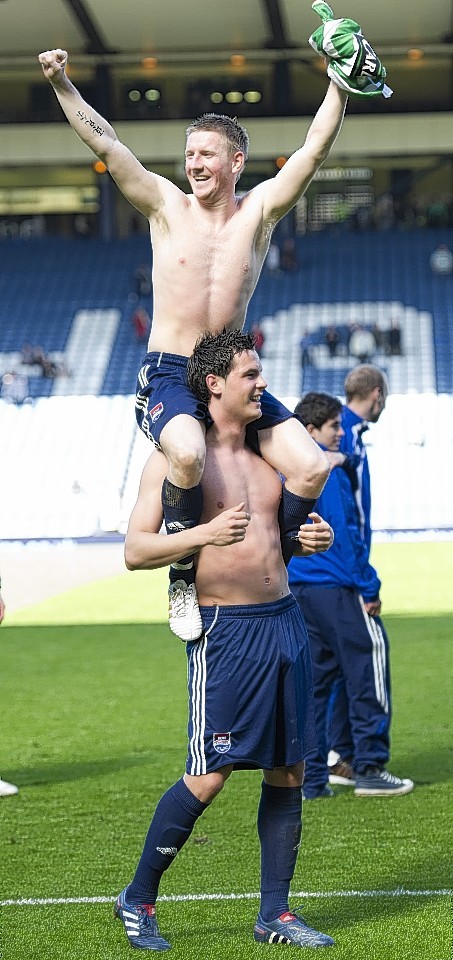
(46, 283)
(346, 276)
(46, 288)
(73, 454)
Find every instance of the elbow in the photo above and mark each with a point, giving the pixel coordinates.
(131, 559)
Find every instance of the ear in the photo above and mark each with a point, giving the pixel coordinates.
(310, 428)
(238, 161)
(214, 384)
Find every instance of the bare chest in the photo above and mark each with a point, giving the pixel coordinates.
(217, 252)
(230, 479)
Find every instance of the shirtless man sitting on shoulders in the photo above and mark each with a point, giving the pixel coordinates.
(208, 251)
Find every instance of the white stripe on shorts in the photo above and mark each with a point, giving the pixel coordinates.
(379, 657)
(198, 703)
(143, 375)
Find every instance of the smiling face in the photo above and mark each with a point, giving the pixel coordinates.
(241, 390)
(330, 434)
(212, 168)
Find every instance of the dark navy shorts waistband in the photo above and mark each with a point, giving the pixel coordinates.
(174, 358)
(274, 608)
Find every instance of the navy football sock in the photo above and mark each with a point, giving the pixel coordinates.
(182, 510)
(172, 823)
(293, 512)
(279, 830)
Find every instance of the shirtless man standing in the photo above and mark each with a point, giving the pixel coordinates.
(249, 675)
(208, 250)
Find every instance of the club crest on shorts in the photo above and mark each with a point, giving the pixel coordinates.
(221, 742)
(155, 412)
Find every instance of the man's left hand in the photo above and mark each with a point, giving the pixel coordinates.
(315, 537)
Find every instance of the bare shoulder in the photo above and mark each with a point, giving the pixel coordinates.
(251, 200)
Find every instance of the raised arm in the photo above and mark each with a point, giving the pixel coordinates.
(140, 186)
(284, 190)
(146, 548)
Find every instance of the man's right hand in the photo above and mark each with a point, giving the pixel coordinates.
(335, 457)
(53, 63)
(229, 527)
(372, 607)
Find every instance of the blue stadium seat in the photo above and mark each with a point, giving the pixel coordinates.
(45, 281)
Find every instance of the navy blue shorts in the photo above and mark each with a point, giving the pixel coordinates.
(163, 393)
(250, 689)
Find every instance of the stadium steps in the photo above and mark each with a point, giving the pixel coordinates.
(88, 351)
(414, 371)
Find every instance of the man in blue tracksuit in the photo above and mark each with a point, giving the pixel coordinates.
(338, 593)
(366, 391)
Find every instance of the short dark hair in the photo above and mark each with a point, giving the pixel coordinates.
(228, 127)
(215, 353)
(316, 408)
(363, 379)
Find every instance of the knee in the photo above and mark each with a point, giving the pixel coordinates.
(286, 776)
(207, 786)
(311, 473)
(186, 465)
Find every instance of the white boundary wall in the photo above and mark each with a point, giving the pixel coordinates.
(71, 465)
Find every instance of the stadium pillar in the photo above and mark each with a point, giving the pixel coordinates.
(283, 94)
(107, 194)
(107, 201)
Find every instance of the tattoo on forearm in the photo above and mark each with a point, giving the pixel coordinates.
(94, 126)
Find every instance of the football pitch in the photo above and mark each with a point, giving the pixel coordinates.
(94, 730)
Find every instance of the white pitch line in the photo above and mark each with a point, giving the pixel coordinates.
(180, 898)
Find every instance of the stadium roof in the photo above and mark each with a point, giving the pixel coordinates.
(178, 29)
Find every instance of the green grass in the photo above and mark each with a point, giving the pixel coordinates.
(94, 731)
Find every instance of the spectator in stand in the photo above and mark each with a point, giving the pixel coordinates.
(36, 356)
(40, 359)
(306, 359)
(441, 260)
(142, 324)
(143, 278)
(394, 347)
(332, 339)
(289, 258)
(258, 337)
(380, 335)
